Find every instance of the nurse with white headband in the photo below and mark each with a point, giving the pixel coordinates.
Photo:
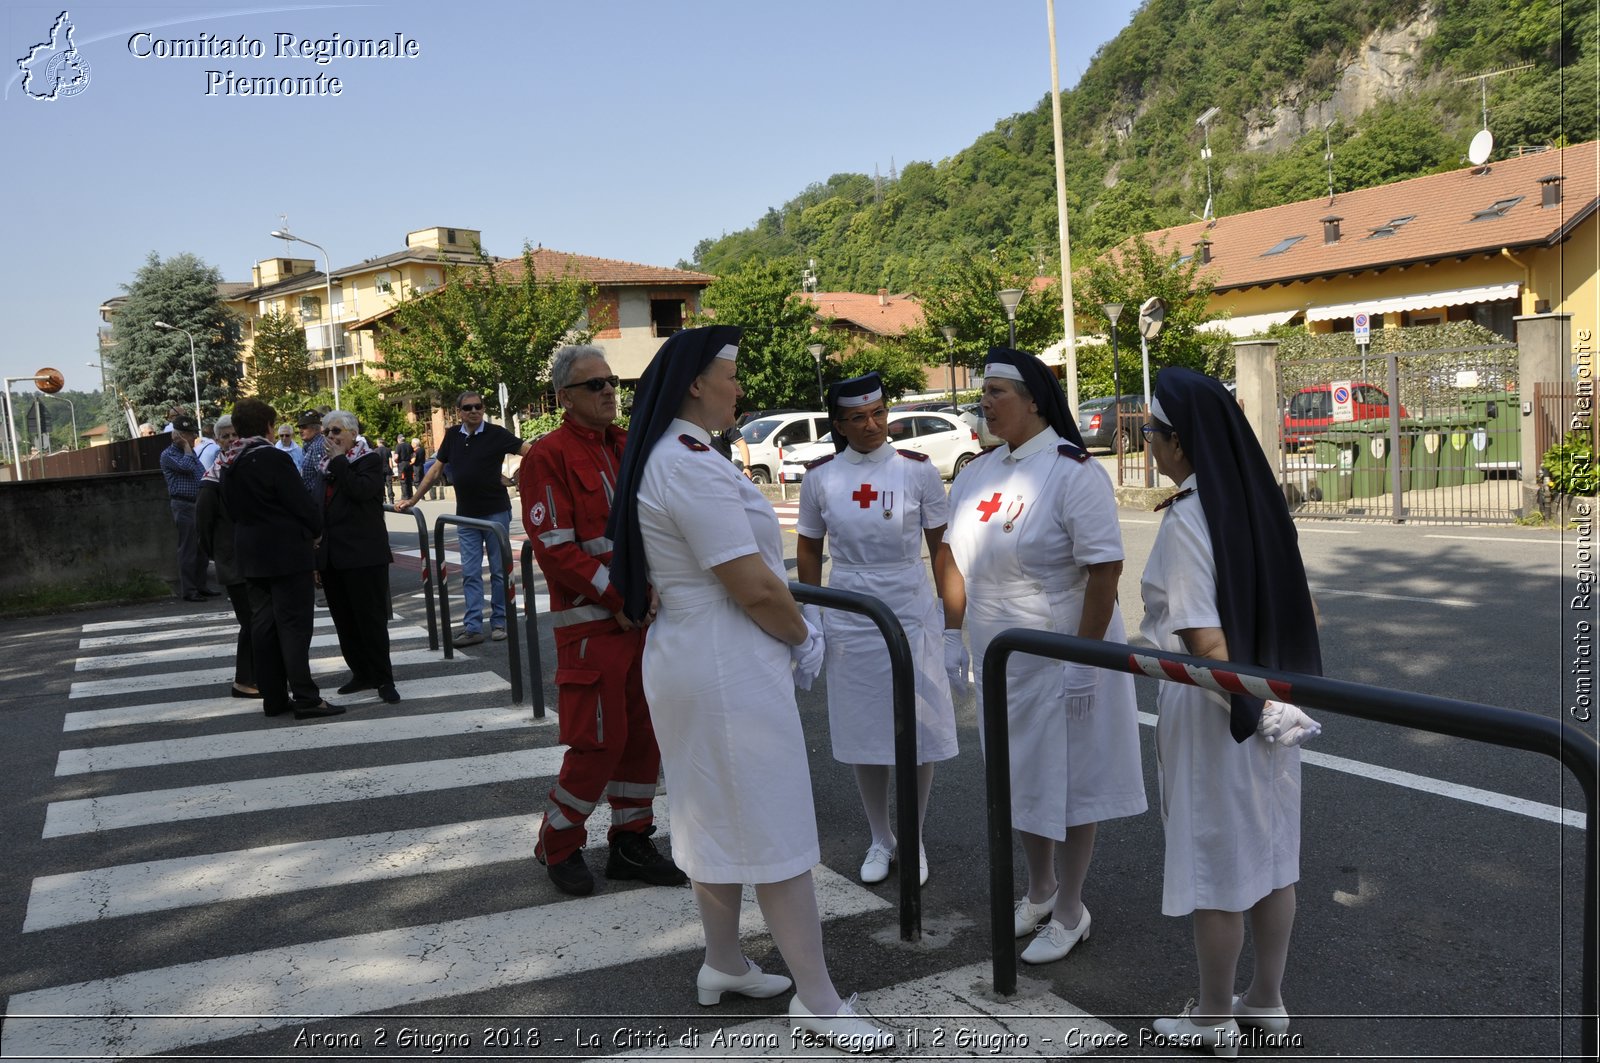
(877, 506)
(1034, 542)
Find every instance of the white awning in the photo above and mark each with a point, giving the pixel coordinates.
(1248, 324)
(1490, 293)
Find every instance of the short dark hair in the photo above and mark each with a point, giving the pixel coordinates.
(252, 417)
(468, 394)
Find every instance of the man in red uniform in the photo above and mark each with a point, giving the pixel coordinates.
(566, 486)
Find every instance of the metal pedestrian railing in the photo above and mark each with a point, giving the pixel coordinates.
(1491, 724)
(535, 666)
(443, 586)
(903, 676)
(427, 572)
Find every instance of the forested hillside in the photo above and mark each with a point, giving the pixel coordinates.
(1376, 78)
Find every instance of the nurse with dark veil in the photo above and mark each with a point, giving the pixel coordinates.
(720, 663)
(1225, 581)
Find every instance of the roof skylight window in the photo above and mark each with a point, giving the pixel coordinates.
(1282, 245)
(1391, 227)
(1496, 210)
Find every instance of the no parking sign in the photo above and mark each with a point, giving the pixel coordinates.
(1363, 330)
(1343, 408)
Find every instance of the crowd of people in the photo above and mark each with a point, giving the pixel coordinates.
(655, 546)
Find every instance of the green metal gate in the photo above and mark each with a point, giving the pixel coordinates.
(1445, 449)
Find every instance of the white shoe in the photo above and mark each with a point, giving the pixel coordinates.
(1054, 941)
(1221, 1040)
(712, 983)
(1029, 914)
(1272, 1020)
(845, 1031)
(875, 868)
(922, 860)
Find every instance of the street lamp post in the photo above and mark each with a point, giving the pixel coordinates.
(194, 366)
(1114, 311)
(74, 408)
(11, 420)
(950, 348)
(817, 350)
(1151, 314)
(1009, 298)
(327, 276)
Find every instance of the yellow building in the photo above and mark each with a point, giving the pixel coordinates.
(1483, 244)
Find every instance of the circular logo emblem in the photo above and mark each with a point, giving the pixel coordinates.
(1341, 395)
(1430, 442)
(1458, 440)
(537, 513)
(68, 72)
(1480, 439)
(1379, 446)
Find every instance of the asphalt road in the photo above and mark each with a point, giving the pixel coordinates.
(193, 879)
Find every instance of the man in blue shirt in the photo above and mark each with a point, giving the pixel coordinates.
(314, 449)
(183, 472)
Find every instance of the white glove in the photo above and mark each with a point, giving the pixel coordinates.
(1077, 688)
(807, 657)
(813, 615)
(956, 660)
(1286, 725)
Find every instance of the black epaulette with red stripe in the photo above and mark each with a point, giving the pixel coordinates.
(1073, 451)
(814, 462)
(1185, 493)
(914, 455)
(691, 442)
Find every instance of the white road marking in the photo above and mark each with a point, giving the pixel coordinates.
(944, 1016)
(294, 791)
(1471, 794)
(147, 622)
(157, 1010)
(138, 684)
(110, 661)
(210, 708)
(346, 732)
(1455, 603)
(194, 634)
(162, 885)
(1535, 539)
(1304, 530)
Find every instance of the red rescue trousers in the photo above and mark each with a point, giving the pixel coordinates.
(605, 723)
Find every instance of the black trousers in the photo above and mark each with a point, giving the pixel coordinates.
(244, 655)
(192, 560)
(359, 602)
(405, 482)
(281, 609)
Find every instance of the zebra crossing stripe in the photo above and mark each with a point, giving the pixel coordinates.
(210, 708)
(157, 1010)
(192, 634)
(951, 1014)
(92, 814)
(139, 684)
(289, 739)
(185, 882)
(144, 624)
(207, 651)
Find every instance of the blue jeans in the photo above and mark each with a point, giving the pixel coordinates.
(471, 542)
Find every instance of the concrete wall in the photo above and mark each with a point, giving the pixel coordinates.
(67, 530)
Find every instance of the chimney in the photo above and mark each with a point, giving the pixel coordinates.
(883, 297)
(1550, 189)
(1330, 229)
(1202, 251)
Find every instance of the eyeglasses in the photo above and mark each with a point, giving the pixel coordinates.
(283, 435)
(859, 419)
(335, 430)
(471, 407)
(598, 383)
(1149, 430)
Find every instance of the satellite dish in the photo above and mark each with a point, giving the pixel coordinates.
(49, 381)
(1482, 146)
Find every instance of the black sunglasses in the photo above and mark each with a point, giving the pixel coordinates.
(469, 407)
(597, 383)
(335, 430)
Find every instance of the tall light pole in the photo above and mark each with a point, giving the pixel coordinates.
(1069, 328)
(194, 366)
(327, 275)
(1151, 313)
(950, 348)
(102, 368)
(1009, 298)
(1114, 311)
(74, 408)
(817, 350)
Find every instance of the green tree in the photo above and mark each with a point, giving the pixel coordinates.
(1130, 275)
(282, 362)
(966, 296)
(151, 366)
(490, 322)
(901, 368)
(775, 367)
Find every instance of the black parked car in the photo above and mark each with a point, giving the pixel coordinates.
(1095, 418)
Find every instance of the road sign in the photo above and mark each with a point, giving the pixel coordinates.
(1343, 408)
(1363, 329)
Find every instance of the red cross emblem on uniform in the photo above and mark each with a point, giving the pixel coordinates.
(865, 495)
(989, 508)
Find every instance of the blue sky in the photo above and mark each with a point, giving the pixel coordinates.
(623, 129)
